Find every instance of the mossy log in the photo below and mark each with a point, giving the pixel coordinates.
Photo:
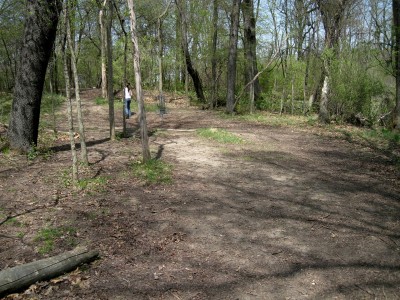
(19, 277)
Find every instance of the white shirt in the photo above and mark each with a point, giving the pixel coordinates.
(127, 93)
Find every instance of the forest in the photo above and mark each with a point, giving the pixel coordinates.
(274, 56)
(261, 159)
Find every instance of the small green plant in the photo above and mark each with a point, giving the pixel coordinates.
(152, 171)
(32, 153)
(13, 222)
(20, 235)
(6, 150)
(101, 101)
(97, 184)
(219, 135)
(47, 237)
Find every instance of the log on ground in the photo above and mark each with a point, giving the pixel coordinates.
(19, 277)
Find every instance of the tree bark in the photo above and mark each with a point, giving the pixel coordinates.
(332, 15)
(19, 277)
(214, 55)
(78, 102)
(138, 81)
(110, 86)
(39, 35)
(103, 48)
(69, 105)
(250, 45)
(231, 72)
(396, 35)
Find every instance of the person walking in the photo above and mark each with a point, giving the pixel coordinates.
(127, 100)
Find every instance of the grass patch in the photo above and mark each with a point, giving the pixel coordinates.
(219, 135)
(152, 107)
(47, 237)
(97, 184)
(89, 184)
(152, 171)
(101, 101)
(14, 222)
(271, 119)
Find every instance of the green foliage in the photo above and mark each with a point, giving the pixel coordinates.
(48, 100)
(5, 107)
(32, 153)
(97, 184)
(354, 88)
(101, 101)
(13, 222)
(35, 152)
(153, 171)
(219, 135)
(47, 237)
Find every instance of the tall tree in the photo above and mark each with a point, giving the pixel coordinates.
(396, 35)
(103, 47)
(78, 102)
(198, 85)
(39, 35)
(110, 86)
(138, 81)
(232, 57)
(333, 14)
(250, 46)
(213, 99)
(69, 98)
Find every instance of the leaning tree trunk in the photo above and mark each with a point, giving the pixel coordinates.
(231, 73)
(39, 35)
(198, 86)
(138, 81)
(396, 27)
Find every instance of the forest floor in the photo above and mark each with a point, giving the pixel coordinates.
(291, 212)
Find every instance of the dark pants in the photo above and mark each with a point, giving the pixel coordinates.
(127, 107)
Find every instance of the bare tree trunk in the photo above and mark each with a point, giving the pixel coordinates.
(69, 105)
(84, 156)
(110, 86)
(250, 44)
(138, 80)
(396, 27)
(103, 48)
(122, 23)
(214, 55)
(231, 71)
(39, 35)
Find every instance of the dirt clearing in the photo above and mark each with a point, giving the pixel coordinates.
(285, 214)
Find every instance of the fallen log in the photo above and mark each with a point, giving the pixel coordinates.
(19, 277)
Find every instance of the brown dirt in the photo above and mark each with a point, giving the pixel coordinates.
(289, 214)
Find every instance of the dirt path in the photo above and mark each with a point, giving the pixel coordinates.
(285, 215)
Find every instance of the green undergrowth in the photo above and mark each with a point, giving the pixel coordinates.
(86, 183)
(273, 119)
(154, 171)
(46, 237)
(219, 135)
